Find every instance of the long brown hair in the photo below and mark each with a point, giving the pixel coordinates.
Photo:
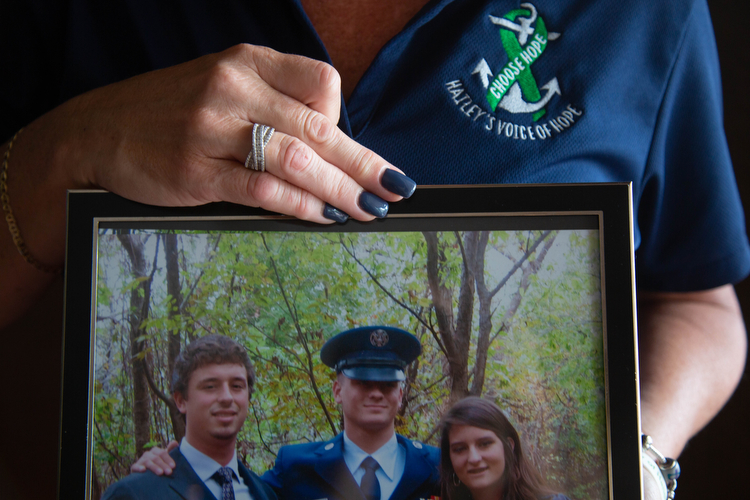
(521, 479)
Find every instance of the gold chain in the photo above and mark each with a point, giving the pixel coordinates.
(11, 220)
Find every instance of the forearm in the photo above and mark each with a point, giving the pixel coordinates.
(692, 354)
(36, 184)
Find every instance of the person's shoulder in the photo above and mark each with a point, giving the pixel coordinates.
(308, 451)
(675, 16)
(652, 7)
(134, 486)
(418, 446)
(258, 487)
(296, 461)
(143, 485)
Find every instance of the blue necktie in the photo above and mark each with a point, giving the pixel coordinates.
(223, 476)
(370, 485)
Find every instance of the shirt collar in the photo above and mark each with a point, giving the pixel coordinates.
(385, 455)
(203, 465)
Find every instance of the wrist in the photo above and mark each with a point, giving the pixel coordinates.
(36, 189)
(664, 471)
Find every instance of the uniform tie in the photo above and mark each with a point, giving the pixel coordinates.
(370, 485)
(223, 476)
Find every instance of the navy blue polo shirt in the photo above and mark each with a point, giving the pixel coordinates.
(553, 91)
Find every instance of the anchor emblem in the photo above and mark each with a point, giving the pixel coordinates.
(514, 88)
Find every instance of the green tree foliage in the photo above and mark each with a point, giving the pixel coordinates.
(516, 313)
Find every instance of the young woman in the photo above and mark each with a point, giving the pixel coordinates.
(481, 457)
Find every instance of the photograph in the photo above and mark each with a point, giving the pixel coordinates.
(513, 317)
(431, 354)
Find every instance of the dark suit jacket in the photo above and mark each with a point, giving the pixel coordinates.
(317, 470)
(182, 484)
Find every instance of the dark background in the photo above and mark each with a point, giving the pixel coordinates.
(714, 463)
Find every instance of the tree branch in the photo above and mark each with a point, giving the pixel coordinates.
(380, 285)
(149, 378)
(518, 264)
(260, 434)
(301, 337)
(102, 442)
(200, 275)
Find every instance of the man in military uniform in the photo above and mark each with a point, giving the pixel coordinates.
(368, 460)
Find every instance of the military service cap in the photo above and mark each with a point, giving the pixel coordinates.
(378, 353)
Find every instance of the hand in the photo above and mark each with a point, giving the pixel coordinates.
(180, 136)
(157, 460)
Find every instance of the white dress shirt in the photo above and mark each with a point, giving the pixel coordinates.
(392, 460)
(205, 467)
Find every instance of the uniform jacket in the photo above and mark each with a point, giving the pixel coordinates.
(182, 484)
(317, 470)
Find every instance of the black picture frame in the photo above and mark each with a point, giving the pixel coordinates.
(431, 208)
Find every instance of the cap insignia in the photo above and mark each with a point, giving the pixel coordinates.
(379, 338)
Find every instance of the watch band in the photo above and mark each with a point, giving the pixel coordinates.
(664, 470)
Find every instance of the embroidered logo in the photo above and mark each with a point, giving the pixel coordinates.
(514, 89)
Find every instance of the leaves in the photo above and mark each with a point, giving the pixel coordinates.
(534, 337)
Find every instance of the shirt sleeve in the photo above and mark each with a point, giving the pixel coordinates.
(690, 215)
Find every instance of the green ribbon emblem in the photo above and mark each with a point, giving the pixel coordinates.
(520, 59)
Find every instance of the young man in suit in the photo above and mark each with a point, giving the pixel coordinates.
(212, 383)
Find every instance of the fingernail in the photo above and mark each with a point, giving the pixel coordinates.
(332, 213)
(398, 183)
(373, 205)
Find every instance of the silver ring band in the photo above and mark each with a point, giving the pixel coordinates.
(256, 158)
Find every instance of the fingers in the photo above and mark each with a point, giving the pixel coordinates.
(156, 460)
(303, 100)
(370, 170)
(328, 142)
(315, 84)
(305, 173)
(295, 162)
(237, 184)
(309, 161)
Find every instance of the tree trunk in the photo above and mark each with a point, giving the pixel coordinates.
(456, 337)
(485, 297)
(173, 346)
(485, 316)
(139, 299)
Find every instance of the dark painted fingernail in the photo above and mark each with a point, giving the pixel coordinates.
(332, 213)
(373, 205)
(398, 183)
